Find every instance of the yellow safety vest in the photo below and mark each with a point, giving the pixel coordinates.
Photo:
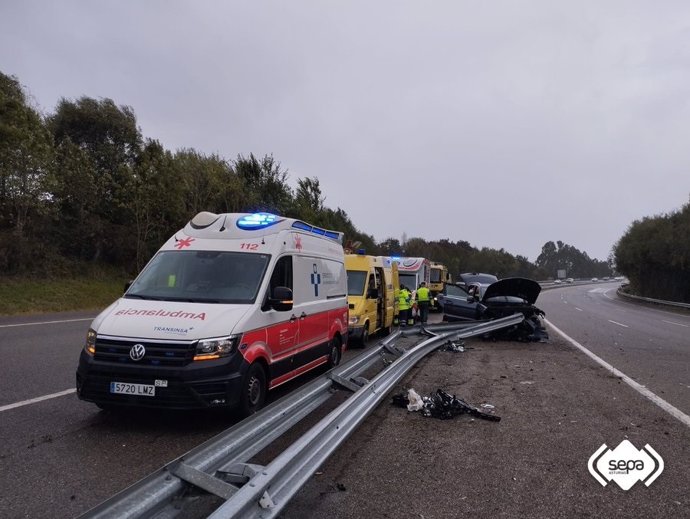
(422, 294)
(404, 300)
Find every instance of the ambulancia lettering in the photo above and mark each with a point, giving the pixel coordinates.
(162, 313)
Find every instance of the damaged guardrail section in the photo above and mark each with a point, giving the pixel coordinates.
(221, 467)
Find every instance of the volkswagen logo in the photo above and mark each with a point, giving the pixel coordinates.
(137, 352)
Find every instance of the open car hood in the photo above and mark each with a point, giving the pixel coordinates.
(524, 288)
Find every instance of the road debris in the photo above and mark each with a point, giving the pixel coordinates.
(441, 405)
(453, 346)
(415, 402)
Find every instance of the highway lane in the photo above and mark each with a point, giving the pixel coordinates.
(39, 354)
(60, 457)
(649, 344)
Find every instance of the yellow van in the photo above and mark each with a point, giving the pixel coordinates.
(438, 277)
(372, 295)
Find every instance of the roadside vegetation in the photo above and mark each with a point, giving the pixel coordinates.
(654, 254)
(23, 295)
(82, 190)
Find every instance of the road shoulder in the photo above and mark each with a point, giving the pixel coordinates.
(557, 408)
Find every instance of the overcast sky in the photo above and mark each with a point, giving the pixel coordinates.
(505, 123)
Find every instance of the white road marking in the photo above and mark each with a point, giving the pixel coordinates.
(607, 296)
(579, 309)
(677, 324)
(673, 411)
(619, 324)
(37, 399)
(46, 322)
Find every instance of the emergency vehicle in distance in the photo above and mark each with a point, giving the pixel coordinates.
(412, 271)
(438, 277)
(372, 294)
(230, 307)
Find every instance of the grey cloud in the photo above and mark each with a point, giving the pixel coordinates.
(505, 124)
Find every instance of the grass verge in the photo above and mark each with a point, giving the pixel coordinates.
(29, 296)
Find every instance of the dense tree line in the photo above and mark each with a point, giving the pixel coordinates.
(654, 254)
(576, 264)
(82, 186)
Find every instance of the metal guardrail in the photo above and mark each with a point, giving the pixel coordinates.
(548, 285)
(632, 297)
(221, 465)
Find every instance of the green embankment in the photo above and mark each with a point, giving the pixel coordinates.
(28, 296)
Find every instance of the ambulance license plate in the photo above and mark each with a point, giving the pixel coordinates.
(125, 388)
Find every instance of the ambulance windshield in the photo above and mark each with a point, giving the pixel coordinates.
(409, 280)
(201, 277)
(355, 282)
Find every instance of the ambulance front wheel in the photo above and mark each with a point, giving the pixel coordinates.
(365, 335)
(336, 352)
(253, 393)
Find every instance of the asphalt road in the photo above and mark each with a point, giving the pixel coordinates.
(60, 456)
(651, 345)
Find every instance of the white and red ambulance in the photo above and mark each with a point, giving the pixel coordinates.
(230, 307)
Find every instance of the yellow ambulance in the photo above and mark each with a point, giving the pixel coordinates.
(438, 277)
(372, 295)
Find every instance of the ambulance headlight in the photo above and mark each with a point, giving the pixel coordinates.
(90, 345)
(354, 319)
(216, 348)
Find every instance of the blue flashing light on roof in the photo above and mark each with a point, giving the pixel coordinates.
(333, 235)
(361, 252)
(396, 258)
(302, 225)
(254, 221)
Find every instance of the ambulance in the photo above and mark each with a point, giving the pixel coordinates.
(230, 307)
(438, 277)
(412, 271)
(372, 295)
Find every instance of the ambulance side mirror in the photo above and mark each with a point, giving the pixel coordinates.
(281, 299)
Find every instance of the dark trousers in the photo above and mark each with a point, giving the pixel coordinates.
(404, 316)
(423, 311)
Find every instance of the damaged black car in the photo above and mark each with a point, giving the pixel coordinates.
(462, 302)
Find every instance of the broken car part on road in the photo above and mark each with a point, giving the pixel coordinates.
(221, 468)
(440, 405)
